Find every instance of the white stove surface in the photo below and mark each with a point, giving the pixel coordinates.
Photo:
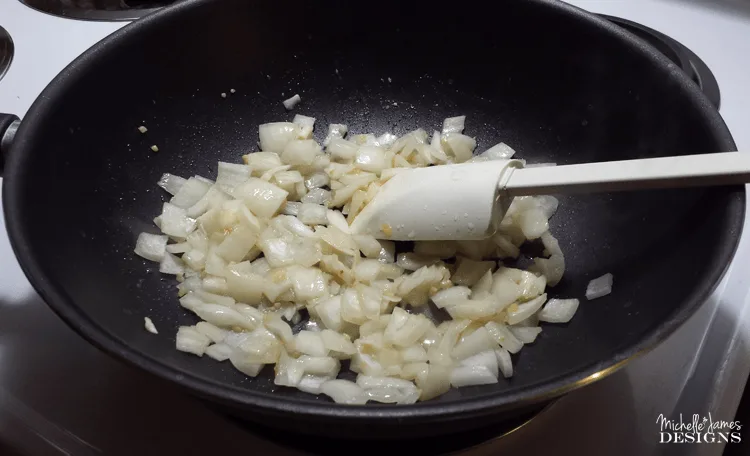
(59, 395)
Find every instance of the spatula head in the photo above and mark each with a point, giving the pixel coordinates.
(448, 202)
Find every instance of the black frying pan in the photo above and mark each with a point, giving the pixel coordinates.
(552, 81)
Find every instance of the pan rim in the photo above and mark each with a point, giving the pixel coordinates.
(56, 298)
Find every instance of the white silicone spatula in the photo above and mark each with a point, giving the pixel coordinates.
(467, 201)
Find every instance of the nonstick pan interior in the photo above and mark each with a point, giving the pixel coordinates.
(548, 80)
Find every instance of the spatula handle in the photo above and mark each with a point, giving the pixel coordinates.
(725, 168)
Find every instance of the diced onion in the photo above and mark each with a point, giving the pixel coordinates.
(601, 286)
(451, 296)
(504, 362)
(526, 334)
(344, 392)
(533, 223)
(219, 352)
(290, 103)
(472, 375)
(317, 196)
(412, 261)
(270, 241)
(305, 125)
(469, 271)
(310, 343)
(454, 124)
(499, 151)
(150, 326)
(151, 246)
(190, 193)
(216, 334)
(525, 310)
(370, 158)
(191, 341)
(337, 220)
(300, 152)
(275, 136)
(170, 264)
(502, 335)
(558, 310)
(171, 183)
(231, 175)
(474, 343)
(386, 139)
(458, 145)
(317, 180)
(312, 384)
(335, 131)
(262, 198)
(341, 149)
(548, 205)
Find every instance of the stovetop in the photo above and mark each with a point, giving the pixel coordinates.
(59, 395)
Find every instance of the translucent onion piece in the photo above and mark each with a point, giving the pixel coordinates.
(300, 152)
(337, 220)
(275, 136)
(223, 316)
(472, 375)
(502, 335)
(504, 362)
(310, 343)
(175, 222)
(290, 103)
(149, 325)
(216, 334)
(499, 151)
(317, 180)
(344, 392)
(262, 162)
(370, 158)
(241, 362)
(454, 124)
(190, 193)
(412, 261)
(451, 296)
(527, 334)
(231, 175)
(151, 246)
(548, 205)
(459, 146)
(219, 352)
(342, 150)
(558, 310)
(170, 264)
(313, 214)
(469, 271)
(523, 311)
(601, 286)
(386, 139)
(262, 198)
(171, 183)
(305, 125)
(191, 341)
(292, 208)
(335, 131)
(476, 342)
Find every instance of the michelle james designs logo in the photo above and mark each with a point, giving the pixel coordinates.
(698, 430)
